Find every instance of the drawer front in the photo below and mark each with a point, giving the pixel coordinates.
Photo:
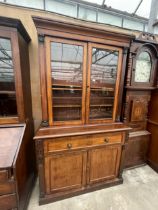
(8, 202)
(7, 187)
(3, 175)
(75, 142)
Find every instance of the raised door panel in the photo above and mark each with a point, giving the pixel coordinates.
(103, 163)
(136, 150)
(65, 171)
(139, 110)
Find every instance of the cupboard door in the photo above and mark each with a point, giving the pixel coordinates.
(66, 81)
(104, 69)
(103, 163)
(65, 171)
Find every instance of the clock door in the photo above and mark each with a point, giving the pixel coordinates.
(144, 68)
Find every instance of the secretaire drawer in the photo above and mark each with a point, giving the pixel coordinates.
(3, 175)
(7, 188)
(74, 142)
(8, 202)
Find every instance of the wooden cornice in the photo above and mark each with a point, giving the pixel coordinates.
(15, 23)
(81, 29)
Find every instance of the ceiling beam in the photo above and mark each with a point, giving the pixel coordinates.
(137, 7)
(103, 2)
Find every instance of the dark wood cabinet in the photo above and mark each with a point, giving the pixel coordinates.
(17, 168)
(96, 86)
(80, 144)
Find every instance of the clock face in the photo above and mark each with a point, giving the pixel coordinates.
(143, 68)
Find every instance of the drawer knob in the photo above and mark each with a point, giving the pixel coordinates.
(106, 140)
(69, 146)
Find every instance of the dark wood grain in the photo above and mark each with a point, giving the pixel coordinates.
(153, 129)
(79, 130)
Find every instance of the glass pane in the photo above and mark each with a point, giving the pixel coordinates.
(156, 30)
(133, 25)
(103, 79)
(109, 19)
(7, 85)
(87, 14)
(66, 72)
(143, 67)
(69, 9)
(28, 3)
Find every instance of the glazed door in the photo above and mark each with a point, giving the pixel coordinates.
(7, 82)
(66, 81)
(104, 70)
(103, 164)
(11, 93)
(65, 171)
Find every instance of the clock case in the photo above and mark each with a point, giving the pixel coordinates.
(137, 100)
(145, 43)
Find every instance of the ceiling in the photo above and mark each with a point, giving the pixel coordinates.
(127, 6)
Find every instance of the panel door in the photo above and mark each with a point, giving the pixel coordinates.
(104, 70)
(65, 171)
(8, 96)
(103, 163)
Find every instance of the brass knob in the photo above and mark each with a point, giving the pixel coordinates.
(69, 146)
(106, 140)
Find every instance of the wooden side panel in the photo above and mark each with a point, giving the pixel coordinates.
(103, 163)
(136, 150)
(153, 148)
(24, 166)
(136, 115)
(65, 171)
(153, 129)
(25, 73)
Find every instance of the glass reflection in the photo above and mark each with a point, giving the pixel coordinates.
(103, 79)
(143, 67)
(66, 72)
(7, 85)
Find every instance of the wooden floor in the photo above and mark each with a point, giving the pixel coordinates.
(139, 192)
